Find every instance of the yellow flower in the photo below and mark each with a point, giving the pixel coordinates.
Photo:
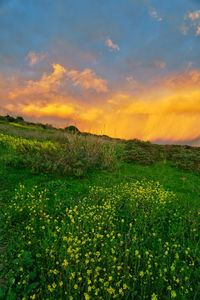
(50, 288)
(110, 278)
(54, 285)
(125, 286)
(65, 263)
(154, 297)
(110, 290)
(87, 297)
(173, 294)
(61, 283)
(141, 274)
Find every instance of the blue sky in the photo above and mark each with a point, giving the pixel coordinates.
(65, 29)
(127, 43)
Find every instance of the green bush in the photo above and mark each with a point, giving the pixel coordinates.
(75, 156)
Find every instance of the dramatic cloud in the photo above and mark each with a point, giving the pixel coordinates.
(33, 58)
(87, 79)
(111, 45)
(47, 84)
(167, 110)
(51, 83)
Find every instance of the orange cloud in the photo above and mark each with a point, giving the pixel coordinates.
(87, 79)
(46, 84)
(168, 110)
(194, 15)
(111, 45)
(59, 110)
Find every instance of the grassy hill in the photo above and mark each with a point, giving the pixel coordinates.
(88, 217)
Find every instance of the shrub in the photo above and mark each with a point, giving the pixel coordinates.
(72, 129)
(75, 156)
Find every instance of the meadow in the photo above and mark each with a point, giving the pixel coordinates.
(88, 217)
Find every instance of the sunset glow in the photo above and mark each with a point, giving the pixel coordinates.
(128, 69)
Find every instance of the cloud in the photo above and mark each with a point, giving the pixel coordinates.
(34, 58)
(168, 110)
(198, 30)
(191, 23)
(48, 83)
(51, 83)
(188, 79)
(194, 15)
(111, 45)
(154, 14)
(87, 79)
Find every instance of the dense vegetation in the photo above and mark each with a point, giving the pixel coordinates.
(87, 217)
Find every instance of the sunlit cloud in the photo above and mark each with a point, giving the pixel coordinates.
(169, 109)
(187, 79)
(111, 45)
(193, 15)
(34, 58)
(191, 23)
(48, 83)
(87, 79)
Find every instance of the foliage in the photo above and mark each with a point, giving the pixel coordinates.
(130, 241)
(75, 156)
(72, 129)
(146, 153)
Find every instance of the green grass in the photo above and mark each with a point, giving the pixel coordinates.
(139, 239)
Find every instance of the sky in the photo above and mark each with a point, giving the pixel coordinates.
(125, 68)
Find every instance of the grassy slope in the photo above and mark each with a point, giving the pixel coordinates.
(186, 185)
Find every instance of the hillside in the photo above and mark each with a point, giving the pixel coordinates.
(88, 217)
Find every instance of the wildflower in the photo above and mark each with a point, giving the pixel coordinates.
(110, 278)
(173, 294)
(49, 288)
(54, 285)
(136, 252)
(141, 274)
(154, 297)
(61, 283)
(65, 263)
(87, 297)
(125, 286)
(110, 290)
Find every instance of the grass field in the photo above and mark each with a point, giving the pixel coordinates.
(84, 217)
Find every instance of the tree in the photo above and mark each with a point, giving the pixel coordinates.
(72, 129)
(19, 119)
